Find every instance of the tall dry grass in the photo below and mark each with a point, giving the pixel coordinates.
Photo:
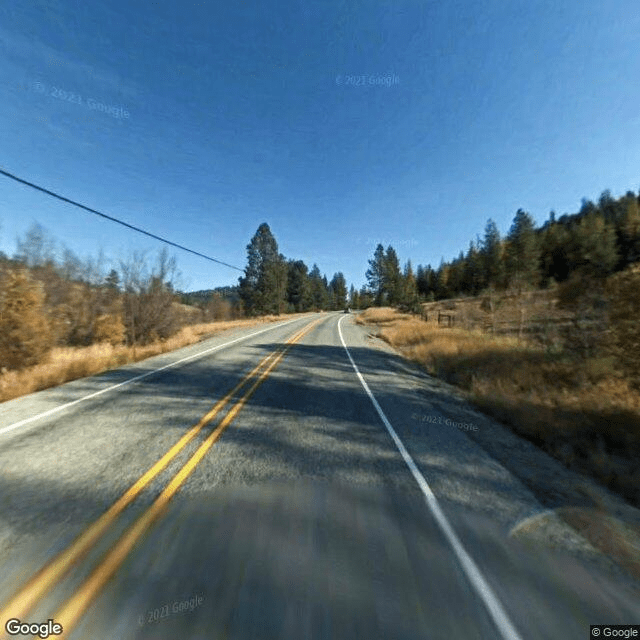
(584, 412)
(379, 315)
(70, 363)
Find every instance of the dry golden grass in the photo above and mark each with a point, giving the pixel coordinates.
(583, 412)
(379, 315)
(70, 363)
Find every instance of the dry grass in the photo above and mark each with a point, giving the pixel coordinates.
(582, 412)
(379, 315)
(70, 363)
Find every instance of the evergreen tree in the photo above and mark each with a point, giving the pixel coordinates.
(630, 232)
(441, 284)
(425, 280)
(456, 276)
(392, 279)
(338, 288)
(523, 254)
(555, 261)
(472, 280)
(319, 289)
(492, 258)
(112, 281)
(263, 287)
(354, 298)
(376, 274)
(595, 250)
(298, 286)
(366, 298)
(410, 288)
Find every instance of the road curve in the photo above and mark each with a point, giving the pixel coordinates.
(291, 481)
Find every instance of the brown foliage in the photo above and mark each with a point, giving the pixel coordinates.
(109, 328)
(24, 331)
(586, 298)
(562, 403)
(624, 297)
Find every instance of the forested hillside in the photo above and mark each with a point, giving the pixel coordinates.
(595, 242)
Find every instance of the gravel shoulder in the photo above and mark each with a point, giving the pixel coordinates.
(608, 527)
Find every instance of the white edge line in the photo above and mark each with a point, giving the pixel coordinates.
(482, 588)
(15, 425)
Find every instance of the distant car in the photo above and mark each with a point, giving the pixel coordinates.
(347, 310)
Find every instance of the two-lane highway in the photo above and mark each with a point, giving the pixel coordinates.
(275, 483)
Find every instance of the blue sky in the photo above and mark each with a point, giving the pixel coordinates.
(247, 113)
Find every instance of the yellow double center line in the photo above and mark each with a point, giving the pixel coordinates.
(50, 574)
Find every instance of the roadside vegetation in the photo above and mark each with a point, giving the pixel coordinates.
(63, 364)
(572, 390)
(63, 318)
(541, 328)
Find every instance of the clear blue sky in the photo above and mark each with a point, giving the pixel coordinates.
(236, 116)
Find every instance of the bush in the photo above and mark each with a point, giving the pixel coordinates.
(585, 297)
(25, 335)
(624, 299)
(109, 328)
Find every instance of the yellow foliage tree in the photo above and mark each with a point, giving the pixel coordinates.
(109, 328)
(25, 335)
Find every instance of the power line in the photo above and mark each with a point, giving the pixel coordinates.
(124, 224)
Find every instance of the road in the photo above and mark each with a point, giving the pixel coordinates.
(295, 480)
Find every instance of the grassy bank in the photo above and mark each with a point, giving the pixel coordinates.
(581, 411)
(70, 363)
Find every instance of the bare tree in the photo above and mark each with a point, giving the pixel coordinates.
(37, 248)
(149, 297)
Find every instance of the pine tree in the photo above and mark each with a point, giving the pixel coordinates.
(112, 281)
(595, 245)
(492, 258)
(298, 286)
(554, 258)
(263, 287)
(630, 232)
(354, 298)
(376, 274)
(472, 280)
(441, 284)
(338, 288)
(523, 256)
(319, 289)
(425, 278)
(410, 288)
(392, 279)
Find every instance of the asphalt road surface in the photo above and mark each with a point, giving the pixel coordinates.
(295, 480)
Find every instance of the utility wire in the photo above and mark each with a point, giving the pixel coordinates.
(124, 224)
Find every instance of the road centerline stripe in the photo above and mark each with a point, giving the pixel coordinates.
(67, 405)
(47, 576)
(76, 606)
(474, 575)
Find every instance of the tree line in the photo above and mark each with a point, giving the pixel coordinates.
(601, 239)
(273, 284)
(49, 297)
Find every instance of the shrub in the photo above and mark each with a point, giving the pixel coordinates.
(25, 335)
(624, 299)
(109, 328)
